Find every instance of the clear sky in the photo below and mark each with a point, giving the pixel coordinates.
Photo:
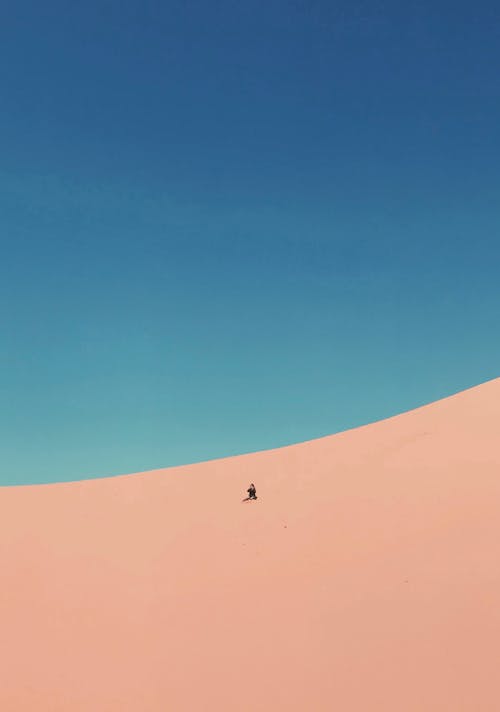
(229, 226)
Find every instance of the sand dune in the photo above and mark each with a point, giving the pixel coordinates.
(365, 577)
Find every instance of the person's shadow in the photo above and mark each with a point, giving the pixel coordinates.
(247, 499)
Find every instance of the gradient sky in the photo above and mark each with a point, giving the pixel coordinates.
(228, 226)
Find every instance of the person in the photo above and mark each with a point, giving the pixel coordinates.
(252, 492)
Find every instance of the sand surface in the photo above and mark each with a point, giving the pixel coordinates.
(365, 577)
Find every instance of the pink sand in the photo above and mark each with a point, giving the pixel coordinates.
(365, 578)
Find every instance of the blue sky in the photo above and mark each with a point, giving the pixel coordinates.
(232, 226)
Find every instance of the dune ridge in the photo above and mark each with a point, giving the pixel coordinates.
(365, 577)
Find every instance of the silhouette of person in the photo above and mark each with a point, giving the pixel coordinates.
(252, 492)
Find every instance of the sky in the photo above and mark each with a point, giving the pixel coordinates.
(231, 226)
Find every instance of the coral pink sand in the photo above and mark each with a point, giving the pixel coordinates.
(366, 577)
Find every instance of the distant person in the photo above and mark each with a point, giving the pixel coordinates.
(252, 492)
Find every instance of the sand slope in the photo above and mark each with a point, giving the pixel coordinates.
(365, 577)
